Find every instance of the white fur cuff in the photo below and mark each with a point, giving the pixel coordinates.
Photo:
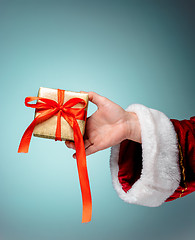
(160, 175)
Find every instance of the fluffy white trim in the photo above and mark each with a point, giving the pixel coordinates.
(160, 175)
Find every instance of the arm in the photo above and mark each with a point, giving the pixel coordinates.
(163, 167)
(147, 173)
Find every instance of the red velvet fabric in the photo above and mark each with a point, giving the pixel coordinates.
(130, 159)
(186, 139)
(130, 163)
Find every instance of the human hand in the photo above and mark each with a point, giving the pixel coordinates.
(108, 126)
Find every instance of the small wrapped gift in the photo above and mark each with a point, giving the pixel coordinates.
(61, 115)
(47, 129)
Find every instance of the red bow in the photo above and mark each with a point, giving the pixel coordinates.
(48, 108)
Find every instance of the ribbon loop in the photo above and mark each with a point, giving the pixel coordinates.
(47, 108)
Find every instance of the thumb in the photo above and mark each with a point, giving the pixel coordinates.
(97, 99)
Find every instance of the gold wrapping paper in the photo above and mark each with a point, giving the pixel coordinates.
(47, 129)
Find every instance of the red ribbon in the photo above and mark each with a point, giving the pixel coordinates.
(48, 108)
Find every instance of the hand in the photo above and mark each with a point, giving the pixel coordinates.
(108, 126)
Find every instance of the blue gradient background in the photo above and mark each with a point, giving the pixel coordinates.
(129, 51)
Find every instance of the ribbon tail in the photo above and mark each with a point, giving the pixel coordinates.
(25, 141)
(83, 174)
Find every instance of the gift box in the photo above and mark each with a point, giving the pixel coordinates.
(47, 129)
(61, 115)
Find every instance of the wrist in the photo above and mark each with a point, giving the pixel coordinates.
(132, 127)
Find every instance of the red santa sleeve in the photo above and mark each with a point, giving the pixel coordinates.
(186, 145)
(153, 172)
